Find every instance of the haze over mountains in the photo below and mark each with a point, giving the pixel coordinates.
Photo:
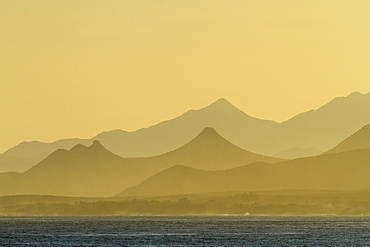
(27, 154)
(345, 167)
(95, 171)
(319, 129)
(359, 140)
(341, 171)
(297, 152)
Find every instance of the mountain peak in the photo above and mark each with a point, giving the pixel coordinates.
(208, 133)
(78, 148)
(208, 142)
(354, 96)
(97, 146)
(356, 93)
(222, 103)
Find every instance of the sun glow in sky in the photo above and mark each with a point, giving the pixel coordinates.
(76, 68)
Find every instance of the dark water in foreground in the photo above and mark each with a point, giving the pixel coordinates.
(185, 231)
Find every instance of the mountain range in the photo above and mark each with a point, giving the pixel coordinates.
(208, 163)
(345, 167)
(340, 171)
(95, 171)
(319, 129)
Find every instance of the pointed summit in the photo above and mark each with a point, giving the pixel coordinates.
(98, 149)
(79, 148)
(208, 131)
(210, 151)
(222, 103)
(353, 99)
(96, 145)
(355, 94)
(209, 138)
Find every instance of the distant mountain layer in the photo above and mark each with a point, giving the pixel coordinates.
(25, 155)
(17, 163)
(321, 129)
(297, 152)
(341, 171)
(359, 140)
(95, 171)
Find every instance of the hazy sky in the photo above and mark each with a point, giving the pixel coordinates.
(76, 68)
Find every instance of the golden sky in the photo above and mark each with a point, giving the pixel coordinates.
(76, 68)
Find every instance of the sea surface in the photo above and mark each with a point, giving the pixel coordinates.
(185, 231)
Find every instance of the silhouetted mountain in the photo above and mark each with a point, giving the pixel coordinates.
(210, 151)
(320, 129)
(340, 171)
(327, 126)
(160, 138)
(229, 121)
(41, 149)
(359, 140)
(80, 171)
(27, 154)
(95, 171)
(297, 152)
(17, 164)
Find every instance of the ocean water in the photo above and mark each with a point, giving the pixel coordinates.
(185, 231)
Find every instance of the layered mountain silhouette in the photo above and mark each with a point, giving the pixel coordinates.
(95, 171)
(17, 163)
(210, 151)
(169, 135)
(80, 171)
(340, 171)
(359, 140)
(327, 126)
(27, 154)
(297, 152)
(320, 129)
